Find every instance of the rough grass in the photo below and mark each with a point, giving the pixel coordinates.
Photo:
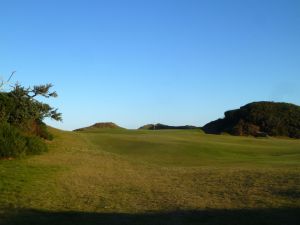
(153, 177)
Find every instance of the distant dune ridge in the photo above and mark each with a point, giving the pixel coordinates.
(103, 125)
(160, 126)
(259, 119)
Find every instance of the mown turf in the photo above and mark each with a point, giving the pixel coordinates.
(153, 177)
(193, 148)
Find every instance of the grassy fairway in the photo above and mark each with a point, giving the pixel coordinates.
(192, 148)
(153, 177)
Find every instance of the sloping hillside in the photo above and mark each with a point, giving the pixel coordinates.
(259, 118)
(172, 177)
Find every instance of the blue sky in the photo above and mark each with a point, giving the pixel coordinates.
(147, 61)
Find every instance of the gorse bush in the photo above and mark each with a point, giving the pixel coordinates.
(272, 118)
(14, 143)
(22, 130)
(35, 145)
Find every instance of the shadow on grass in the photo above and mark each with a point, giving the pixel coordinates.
(289, 216)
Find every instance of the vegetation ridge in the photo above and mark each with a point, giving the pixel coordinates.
(259, 119)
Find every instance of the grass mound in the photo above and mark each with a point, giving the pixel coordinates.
(160, 126)
(105, 125)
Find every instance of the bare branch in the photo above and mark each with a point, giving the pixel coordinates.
(3, 83)
(11, 76)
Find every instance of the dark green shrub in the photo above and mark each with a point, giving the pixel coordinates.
(272, 118)
(35, 145)
(43, 131)
(22, 129)
(12, 142)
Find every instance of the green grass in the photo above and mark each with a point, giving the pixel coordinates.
(192, 148)
(153, 177)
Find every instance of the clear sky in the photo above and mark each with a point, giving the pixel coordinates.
(135, 62)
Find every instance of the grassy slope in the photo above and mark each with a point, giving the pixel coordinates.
(177, 148)
(119, 171)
